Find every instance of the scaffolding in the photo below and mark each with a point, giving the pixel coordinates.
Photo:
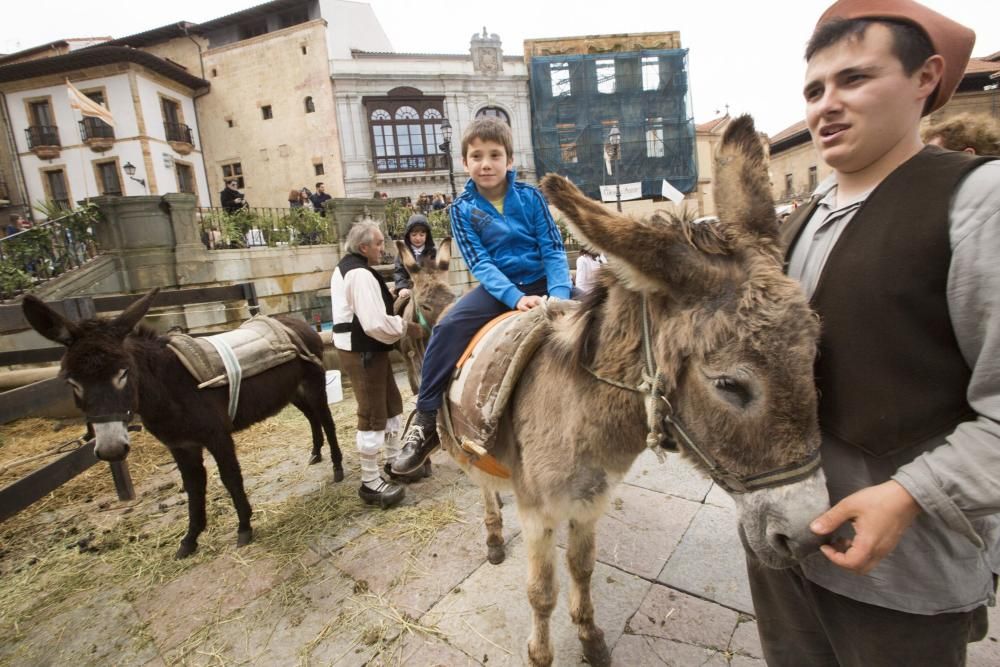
(578, 99)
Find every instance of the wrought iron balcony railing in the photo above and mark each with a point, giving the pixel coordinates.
(42, 135)
(178, 132)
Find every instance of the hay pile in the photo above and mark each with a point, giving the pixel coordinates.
(80, 539)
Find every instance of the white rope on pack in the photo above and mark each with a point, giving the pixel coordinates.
(234, 373)
(192, 312)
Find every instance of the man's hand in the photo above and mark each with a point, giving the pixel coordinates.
(414, 330)
(406, 291)
(526, 303)
(880, 515)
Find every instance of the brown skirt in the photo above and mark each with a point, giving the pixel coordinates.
(374, 389)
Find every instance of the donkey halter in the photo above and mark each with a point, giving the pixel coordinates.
(660, 413)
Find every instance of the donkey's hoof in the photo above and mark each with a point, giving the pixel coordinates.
(338, 474)
(185, 550)
(595, 651)
(244, 537)
(538, 656)
(496, 554)
(315, 458)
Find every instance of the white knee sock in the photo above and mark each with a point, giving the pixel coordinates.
(369, 443)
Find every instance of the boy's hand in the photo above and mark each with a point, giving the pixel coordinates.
(406, 291)
(526, 303)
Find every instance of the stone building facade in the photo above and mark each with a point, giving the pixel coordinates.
(57, 155)
(390, 108)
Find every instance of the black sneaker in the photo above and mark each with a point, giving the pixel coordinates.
(416, 476)
(420, 440)
(382, 493)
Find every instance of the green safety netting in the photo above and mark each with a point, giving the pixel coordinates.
(578, 99)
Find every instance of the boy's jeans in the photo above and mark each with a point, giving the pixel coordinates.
(451, 336)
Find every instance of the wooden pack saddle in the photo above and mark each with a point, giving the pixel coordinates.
(259, 344)
(484, 381)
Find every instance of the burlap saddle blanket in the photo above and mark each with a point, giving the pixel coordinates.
(259, 344)
(484, 381)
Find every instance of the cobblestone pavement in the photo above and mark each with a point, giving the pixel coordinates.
(412, 586)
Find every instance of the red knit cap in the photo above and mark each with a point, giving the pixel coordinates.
(951, 40)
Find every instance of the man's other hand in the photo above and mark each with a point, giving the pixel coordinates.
(526, 303)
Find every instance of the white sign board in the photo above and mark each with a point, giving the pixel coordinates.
(672, 193)
(628, 190)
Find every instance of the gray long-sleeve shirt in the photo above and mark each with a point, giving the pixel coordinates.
(944, 562)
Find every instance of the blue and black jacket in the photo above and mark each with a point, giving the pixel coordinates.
(518, 247)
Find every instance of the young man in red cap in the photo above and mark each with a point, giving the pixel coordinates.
(897, 251)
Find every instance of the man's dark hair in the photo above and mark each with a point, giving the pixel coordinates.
(319, 184)
(909, 43)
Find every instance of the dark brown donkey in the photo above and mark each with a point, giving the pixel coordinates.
(692, 330)
(116, 370)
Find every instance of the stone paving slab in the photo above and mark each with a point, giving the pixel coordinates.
(489, 614)
(670, 614)
(987, 652)
(709, 561)
(96, 628)
(746, 641)
(205, 594)
(640, 529)
(676, 477)
(655, 652)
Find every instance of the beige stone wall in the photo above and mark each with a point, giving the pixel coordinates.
(796, 162)
(277, 154)
(624, 42)
(182, 51)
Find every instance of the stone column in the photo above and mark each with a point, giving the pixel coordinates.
(138, 231)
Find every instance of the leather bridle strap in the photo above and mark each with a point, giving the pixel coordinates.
(124, 417)
(418, 314)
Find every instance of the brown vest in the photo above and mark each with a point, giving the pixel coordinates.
(889, 371)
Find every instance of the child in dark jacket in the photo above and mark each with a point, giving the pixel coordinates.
(420, 241)
(512, 246)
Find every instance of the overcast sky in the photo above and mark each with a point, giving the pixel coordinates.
(742, 53)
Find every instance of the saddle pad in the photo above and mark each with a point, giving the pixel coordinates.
(259, 344)
(482, 386)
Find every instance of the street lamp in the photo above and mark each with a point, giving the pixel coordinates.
(613, 148)
(129, 170)
(446, 147)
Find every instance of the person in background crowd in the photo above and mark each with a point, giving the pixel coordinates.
(319, 198)
(295, 199)
(438, 202)
(231, 198)
(419, 240)
(977, 134)
(587, 267)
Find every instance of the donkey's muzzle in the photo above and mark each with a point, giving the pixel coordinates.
(111, 441)
(112, 453)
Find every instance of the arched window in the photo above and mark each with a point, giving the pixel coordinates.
(310, 107)
(406, 131)
(493, 112)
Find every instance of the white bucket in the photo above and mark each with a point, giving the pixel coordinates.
(334, 392)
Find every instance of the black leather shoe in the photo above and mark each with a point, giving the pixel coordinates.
(416, 476)
(420, 440)
(382, 493)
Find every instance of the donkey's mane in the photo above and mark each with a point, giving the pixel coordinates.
(761, 300)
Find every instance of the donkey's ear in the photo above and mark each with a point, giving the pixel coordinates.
(409, 263)
(647, 255)
(444, 254)
(131, 315)
(742, 186)
(48, 322)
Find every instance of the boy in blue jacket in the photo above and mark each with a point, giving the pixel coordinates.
(512, 246)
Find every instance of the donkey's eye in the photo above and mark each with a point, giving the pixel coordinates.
(120, 378)
(424, 306)
(77, 387)
(732, 391)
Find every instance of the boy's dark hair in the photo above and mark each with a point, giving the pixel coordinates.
(489, 129)
(909, 43)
